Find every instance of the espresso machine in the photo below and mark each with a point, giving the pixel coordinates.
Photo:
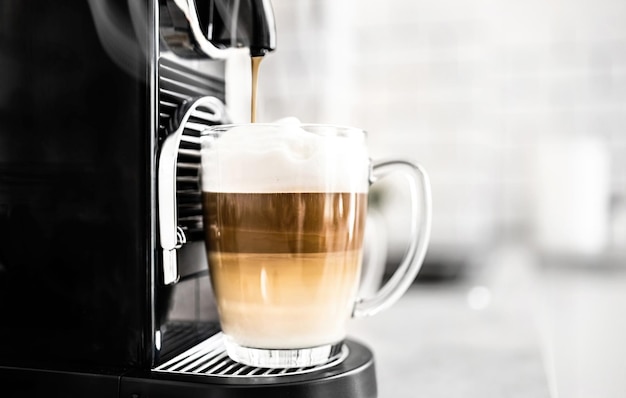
(104, 289)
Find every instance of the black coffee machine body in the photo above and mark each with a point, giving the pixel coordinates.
(104, 289)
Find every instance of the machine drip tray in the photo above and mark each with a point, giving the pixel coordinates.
(209, 358)
(206, 371)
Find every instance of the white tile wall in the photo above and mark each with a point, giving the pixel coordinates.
(469, 88)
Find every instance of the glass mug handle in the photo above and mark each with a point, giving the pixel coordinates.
(406, 272)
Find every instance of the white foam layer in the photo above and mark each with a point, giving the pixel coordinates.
(284, 158)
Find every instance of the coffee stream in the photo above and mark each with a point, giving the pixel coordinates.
(256, 61)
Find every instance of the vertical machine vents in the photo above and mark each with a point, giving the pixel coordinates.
(179, 84)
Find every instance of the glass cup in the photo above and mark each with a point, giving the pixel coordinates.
(284, 212)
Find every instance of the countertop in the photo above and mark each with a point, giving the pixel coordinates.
(512, 327)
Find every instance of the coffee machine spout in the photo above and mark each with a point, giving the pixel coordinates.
(214, 27)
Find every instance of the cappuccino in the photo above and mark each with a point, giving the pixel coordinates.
(284, 266)
(284, 214)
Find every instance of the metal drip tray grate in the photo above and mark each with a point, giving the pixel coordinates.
(209, 358)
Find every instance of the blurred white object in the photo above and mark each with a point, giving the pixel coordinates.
(618, 230)
(571, 199)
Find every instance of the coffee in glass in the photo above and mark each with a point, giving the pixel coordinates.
(284, 213)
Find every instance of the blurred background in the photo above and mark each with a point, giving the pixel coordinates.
(518, 111)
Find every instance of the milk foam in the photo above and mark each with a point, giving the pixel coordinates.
(284, 158)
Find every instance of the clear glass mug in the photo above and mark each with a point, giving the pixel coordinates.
(284, 212)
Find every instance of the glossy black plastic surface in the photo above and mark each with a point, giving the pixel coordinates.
(27, 383)
(75, 177)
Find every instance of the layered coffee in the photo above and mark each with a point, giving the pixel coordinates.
(285, 266)
(284, 214)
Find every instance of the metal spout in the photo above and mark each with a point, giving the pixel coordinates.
(193, 28)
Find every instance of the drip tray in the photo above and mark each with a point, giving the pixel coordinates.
(209, 358)
(206, 371)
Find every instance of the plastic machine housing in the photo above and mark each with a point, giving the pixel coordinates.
(89, 92)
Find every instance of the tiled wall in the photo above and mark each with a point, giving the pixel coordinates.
(480, 92)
